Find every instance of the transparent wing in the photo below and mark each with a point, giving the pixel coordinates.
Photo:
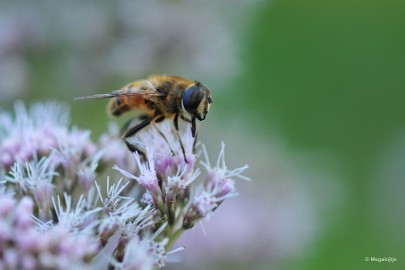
(145, 88)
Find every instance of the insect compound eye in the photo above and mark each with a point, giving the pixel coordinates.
(192, 98)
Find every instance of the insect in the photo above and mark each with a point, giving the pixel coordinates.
(160, 97)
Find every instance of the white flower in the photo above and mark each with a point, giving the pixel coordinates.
(218, 186)
(122, 213)
(78, 219)
(36, 179)
(136, 257)
(22, 246)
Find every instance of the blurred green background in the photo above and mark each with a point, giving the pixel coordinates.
(323, 77)
(332, 73)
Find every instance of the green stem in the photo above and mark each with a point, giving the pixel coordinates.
(174, 237)
(173, 233)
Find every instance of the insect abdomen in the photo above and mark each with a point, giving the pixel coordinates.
(123, 104)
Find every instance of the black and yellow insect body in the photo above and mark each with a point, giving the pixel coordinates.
(160, 97)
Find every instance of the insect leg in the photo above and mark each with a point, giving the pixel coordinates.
(130, 123)
(193, 128)
(185, 118)
(162, 134)
(194, 132)
(133, 130)
(193, 124)
(176, 126)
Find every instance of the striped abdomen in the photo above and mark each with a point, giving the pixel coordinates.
(123, 104)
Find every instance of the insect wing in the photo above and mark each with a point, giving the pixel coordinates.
(97, 96)
(146, 89)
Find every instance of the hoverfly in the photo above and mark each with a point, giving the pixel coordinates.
(160, 97)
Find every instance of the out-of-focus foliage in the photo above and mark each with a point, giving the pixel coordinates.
(330, 74)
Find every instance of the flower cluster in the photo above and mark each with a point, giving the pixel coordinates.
(23, 246)
(58, 211)
(38, 130)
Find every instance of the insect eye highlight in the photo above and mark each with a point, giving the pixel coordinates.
(192, 98)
